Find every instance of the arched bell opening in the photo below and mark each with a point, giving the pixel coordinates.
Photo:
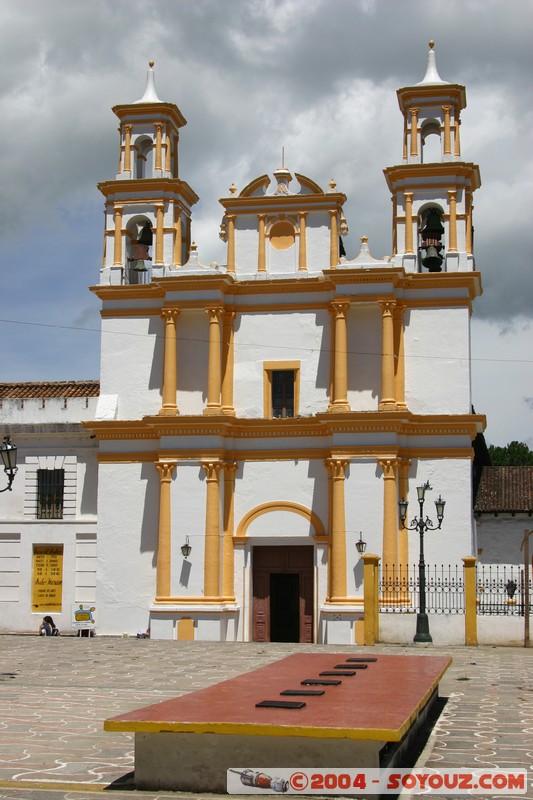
(138, 247)
(431, 231)
(144, 157)
(431, 150)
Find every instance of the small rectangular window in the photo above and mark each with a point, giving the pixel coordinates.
(50, 493)
(283, 393)
(281, 388)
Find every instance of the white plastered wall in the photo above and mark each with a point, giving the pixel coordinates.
(192, 331)
(364, 357)
(437, 360)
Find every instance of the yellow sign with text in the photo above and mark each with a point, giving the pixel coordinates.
(47, 589)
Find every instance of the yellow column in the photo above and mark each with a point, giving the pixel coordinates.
(228, 318)
(127, 148)
(447, 150)
(334, 239)
(468, 223)
(371, 600)
(399, 356)
(212, 530)
(403, 533)
(340, 377)
(408, 196)
(457, 143)
(333, 318)
(388, 400)
(177, 236)
(175, 170)
(117, 254)
(405, 138)
(414, 131)
(261, 258)
(214, 368)
(159, 233)
(470, 601)
(337, 573)
(228, 565)
(164, 540)
(168, 152)
(169, 406)
(231, 242)
(158, 142)
(390, 519)
(302, 251)
(452, 223)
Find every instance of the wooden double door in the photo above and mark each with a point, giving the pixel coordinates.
(282, 584)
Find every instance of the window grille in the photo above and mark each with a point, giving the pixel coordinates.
(283, 393)
(50, 493)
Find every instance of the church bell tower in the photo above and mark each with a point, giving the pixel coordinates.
(432, 189)
(148, 206)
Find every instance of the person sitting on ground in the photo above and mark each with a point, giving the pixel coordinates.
(48, 627)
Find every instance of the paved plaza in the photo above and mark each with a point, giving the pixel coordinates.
(56, 693)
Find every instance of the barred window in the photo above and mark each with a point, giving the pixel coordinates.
(283, 393)
(50, 491)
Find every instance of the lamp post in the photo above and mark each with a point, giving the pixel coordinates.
(422, 525)
(8, 451)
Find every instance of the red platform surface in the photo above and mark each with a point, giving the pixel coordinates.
(379, 703)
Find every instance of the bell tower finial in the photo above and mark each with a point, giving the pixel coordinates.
(150, 94)
(432, 76)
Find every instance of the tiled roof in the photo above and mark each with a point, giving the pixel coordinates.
(61, 389)
(505, 489)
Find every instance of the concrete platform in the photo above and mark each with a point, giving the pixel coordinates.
(365, 718)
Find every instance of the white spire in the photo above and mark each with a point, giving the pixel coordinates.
(431, 76)
(150, 94)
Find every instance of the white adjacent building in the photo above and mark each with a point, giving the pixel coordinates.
(257, 418)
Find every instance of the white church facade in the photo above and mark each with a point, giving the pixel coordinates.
(257, 419)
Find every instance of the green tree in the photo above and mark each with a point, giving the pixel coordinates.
(514, 454)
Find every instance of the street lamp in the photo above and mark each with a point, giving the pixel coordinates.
(8, 451)
(422, 525)
(360, 544)
(186, 548)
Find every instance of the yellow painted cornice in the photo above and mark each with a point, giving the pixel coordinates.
(156, 111)
(135, 186)
(429, 95)
(147, 291)
(276, 203)
(323, 425)
(410, 175)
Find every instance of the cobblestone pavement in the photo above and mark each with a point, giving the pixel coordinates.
(56, 692)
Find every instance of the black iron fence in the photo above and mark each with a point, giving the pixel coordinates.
(500, 589)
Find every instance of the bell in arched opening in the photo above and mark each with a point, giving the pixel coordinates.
(431, 240)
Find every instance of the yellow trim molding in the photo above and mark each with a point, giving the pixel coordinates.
(279, 505)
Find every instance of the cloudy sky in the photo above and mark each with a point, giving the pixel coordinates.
(318, 77)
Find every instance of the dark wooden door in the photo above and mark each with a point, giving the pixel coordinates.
(282, 594)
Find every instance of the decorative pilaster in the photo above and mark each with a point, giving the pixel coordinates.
(214, 369)
(414, 132)
(261, 255)
(228, 565)
(332, 315)
(408, 197)
(302, 251)
(228, 356)
(177, 236)
(158, 146)
(334, 239)
(394, 224)
(168, 151)
(117, 252)
(452, 224)
(231, 242)
(159, 233)
(212, 530)
(399, 356)
(337, 551)
(447, 149)
(403, 533)
(127, 148)
(169, 406)
(340, 377)
(457, 143)
(390, 518)
(164, 539)
(468, 223)
(388, 400)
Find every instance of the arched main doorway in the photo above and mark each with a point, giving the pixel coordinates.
(282, 585)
